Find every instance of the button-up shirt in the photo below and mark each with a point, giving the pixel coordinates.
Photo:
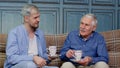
(18, 45)
(94, 46)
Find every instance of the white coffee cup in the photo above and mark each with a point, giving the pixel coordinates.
(78, 55)
(52, 50)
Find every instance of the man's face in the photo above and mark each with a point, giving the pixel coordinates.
(86, 27)
(34, 18)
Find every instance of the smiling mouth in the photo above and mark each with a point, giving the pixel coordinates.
(82, 30)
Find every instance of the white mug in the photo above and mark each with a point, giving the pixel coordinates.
(52, 50)
(78, 55)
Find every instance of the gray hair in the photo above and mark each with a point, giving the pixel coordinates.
(27, 8)
(89, 15)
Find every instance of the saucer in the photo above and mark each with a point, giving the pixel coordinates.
(74, 60)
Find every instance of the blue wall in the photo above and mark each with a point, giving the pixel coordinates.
(61, 16)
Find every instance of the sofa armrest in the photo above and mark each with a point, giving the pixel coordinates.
(114, 61)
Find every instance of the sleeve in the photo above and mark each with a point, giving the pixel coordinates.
(45, 55)
(101, 52)
(65, 48)
(45, 48)
(12, 50)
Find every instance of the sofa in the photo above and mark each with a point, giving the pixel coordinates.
(112, 40)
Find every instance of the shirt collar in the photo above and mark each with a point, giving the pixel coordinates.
(88, 37)
(36, 32)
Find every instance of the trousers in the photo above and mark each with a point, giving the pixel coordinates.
(100, 64)
(30, 64)
(25, 64)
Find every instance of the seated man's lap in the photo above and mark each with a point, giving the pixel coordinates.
(25, 64)
(67, 65)
(85, 66)
(30, 64)
(101, 64)
(70, 65)
(97, 65)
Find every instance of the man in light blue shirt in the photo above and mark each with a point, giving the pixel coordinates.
(26, 46)
(91, 43)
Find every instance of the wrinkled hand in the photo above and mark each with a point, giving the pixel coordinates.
(85, 61)
(70, 53)
(39, 61)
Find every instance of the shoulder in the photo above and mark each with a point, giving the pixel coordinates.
(97, 35)
(15, 32)
(39, 32)
(17, 29)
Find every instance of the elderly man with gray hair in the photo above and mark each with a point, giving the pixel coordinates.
(85, 48)
(26, 45)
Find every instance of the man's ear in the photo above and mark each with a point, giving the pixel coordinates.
(26, 18)
(94, 27)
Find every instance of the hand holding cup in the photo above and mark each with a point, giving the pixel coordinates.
(78, 55)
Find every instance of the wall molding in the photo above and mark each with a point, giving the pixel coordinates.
(103, 2)
(105, 18)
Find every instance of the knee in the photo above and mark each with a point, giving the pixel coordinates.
(31, 65)
(25, 64)
(67, 65)
(101, 64)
